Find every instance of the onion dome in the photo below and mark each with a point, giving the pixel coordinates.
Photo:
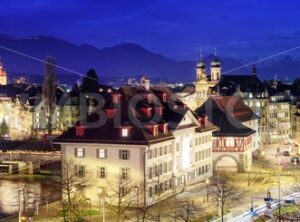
(215, 63)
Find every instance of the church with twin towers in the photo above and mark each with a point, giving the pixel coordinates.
(204, 86)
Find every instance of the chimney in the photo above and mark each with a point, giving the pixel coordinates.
(203, 119)
(145, 82)
(80, 130)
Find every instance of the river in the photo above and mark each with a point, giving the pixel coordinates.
(28, 190)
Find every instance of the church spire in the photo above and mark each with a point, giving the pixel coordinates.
(254, 70)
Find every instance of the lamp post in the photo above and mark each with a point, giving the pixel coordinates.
(137, 203)
(279, 189)
(174, 187)
(249, 169)
(101, 202)
(207, 193)
(90, 207)
(20, 209)
(262, 158)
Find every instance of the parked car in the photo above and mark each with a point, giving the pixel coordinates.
(285, 153)
(295, 159)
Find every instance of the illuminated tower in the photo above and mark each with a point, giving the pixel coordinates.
(200, 70)
(215, 70)
(3, 75)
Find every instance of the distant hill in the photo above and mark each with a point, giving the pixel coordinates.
(125, 59)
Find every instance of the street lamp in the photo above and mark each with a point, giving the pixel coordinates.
(262, 158)
(174, 186)
(249, 169)
(207, 193)
(90, 207)
(101, 202)
(137, 203)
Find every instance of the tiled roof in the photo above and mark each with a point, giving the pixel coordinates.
(227, 113)
(28, 145)
(129, 112)
(247, 83)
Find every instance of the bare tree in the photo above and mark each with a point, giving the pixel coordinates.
(187, 210)
(121, 196)
(224, 194)
(49, 89)
(75, 178)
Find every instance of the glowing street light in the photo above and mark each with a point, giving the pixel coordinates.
(207, 193)
(101, 202)
(249, 169)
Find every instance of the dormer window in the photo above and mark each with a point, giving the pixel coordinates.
(159, 110)
(163, 97)
(147, 111)
(125, 131)
(110, 113)
(163, 127)
(116, 98)
(153, 129)
(80, 130)
(148, 97)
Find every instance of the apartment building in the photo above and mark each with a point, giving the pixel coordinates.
(146, 136)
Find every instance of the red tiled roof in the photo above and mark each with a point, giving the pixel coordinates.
(129, 112)
(235, 106)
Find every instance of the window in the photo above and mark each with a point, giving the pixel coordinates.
(79, 152)
(124, 154)
(230, 142)
(102, 153)
(101, 172)
(124, 132)
(165, 150)
(80, 170)
(177, 146)
(150, 172)
(150, 191)
(125, 173)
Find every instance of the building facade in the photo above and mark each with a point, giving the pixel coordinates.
(235, 140)
(150, 139)
(295, 121)
(3, 75)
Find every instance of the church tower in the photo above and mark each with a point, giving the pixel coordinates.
(200, 70)
(3, 75)
(215, 70)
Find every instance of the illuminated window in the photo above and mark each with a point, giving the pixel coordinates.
(229, 142)
(79, 152)
(102, 153)
(124, 132)
(124, 154)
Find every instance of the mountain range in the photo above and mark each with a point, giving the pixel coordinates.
(21, 56)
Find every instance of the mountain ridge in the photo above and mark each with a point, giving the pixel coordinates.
(124, 59)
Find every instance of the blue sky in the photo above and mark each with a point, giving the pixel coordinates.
(177, 29)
